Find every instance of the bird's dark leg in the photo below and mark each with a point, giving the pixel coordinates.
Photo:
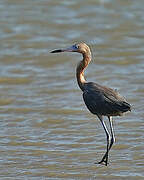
(112, 132)
(105, 157)
(112, 138)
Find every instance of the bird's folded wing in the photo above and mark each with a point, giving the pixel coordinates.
(98, 102)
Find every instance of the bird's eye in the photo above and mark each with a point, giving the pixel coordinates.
(76, 46)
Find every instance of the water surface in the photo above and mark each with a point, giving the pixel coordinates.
(46, 131)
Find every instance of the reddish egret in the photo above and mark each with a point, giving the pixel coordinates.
(100, 100)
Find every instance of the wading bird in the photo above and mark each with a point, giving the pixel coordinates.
(100, 100)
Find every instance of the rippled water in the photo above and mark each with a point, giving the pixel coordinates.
(46, 131)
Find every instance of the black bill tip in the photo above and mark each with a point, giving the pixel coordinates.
(56, 51)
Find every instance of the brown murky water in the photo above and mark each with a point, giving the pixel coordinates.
(46, 132)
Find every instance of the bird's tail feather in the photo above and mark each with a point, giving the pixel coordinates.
(124, 106)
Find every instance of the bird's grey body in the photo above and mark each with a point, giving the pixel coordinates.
(104, 101)
(100, 100)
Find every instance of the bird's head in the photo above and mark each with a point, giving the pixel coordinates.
(79, 48)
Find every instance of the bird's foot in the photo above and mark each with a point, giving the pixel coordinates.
(103, 162)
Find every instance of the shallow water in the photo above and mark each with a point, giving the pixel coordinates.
(46, 131)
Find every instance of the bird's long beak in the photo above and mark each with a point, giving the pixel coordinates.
(70, 49)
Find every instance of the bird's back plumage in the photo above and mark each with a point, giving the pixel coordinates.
(101, 100)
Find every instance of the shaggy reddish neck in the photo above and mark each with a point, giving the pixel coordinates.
(81, 68)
